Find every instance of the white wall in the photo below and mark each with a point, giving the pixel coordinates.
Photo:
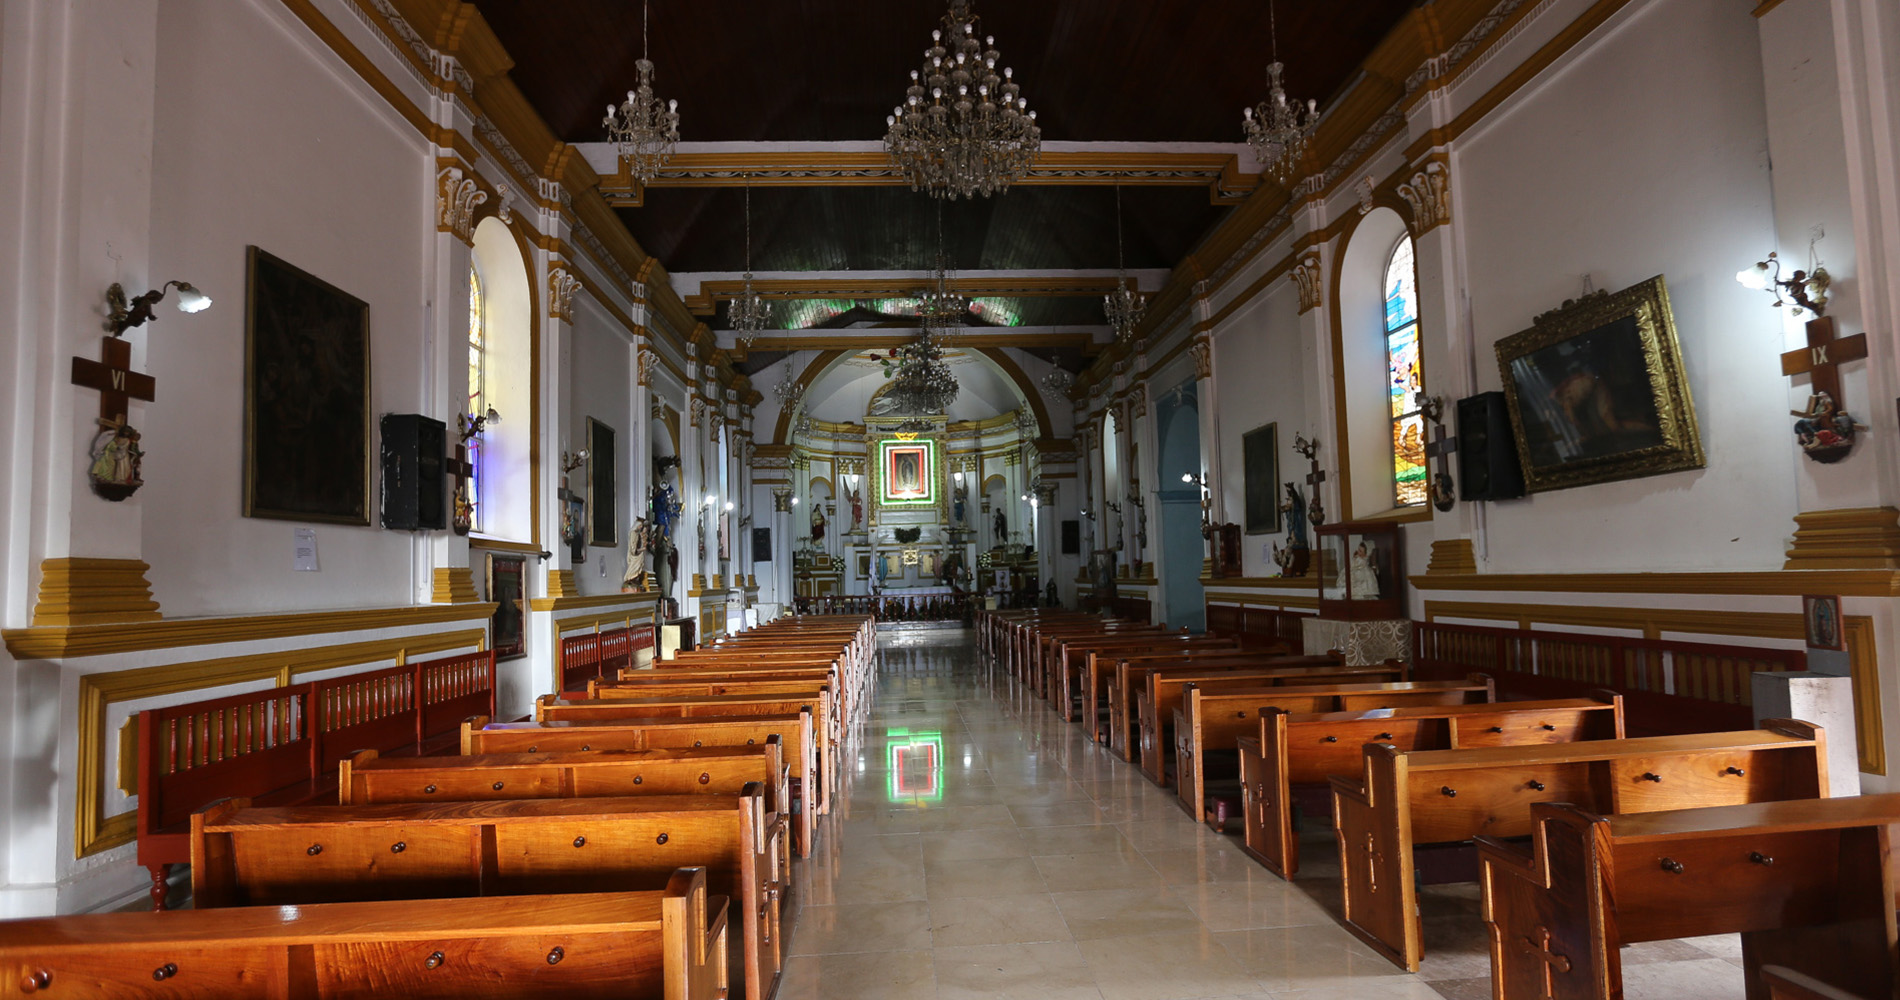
(600, 379)
(1259, 367)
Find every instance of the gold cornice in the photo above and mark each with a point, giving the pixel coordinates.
(502, 545)
(64, 642)
(577, 603)
(1452, 557)
(561, 583)
(1864, 538)
(453, 585)
(80, 591)
(630, 616)
(1768, 583)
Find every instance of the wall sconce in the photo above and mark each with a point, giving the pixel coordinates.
(710, 499)
(472, 425)
(794, 501)
(126, 315)
(957, 475)
(571, 462)
(1808, 289)
(728, 505)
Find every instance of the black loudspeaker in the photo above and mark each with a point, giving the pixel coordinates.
(415, 492)
(1071, 538)
(1488, 468)
(761, 545)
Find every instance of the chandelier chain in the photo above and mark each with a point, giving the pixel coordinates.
(748, 311)
(1124, 306)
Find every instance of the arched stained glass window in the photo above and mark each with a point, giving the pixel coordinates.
(1405, 378)
(477, 385)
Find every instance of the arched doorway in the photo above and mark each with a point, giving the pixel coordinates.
(1179, 431)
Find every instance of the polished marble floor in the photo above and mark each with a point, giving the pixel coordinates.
(986, 849)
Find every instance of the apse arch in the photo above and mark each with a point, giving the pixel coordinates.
(826, 361)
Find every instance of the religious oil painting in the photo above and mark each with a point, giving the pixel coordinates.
(907, 472)
(1823, 616)
(1260, 460)
(603, 525)
(306, 396)
(1597, 391)
(507, 582)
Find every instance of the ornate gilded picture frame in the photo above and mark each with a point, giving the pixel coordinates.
(1597, 392)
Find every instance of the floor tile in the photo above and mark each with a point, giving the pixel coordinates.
(1044, 971)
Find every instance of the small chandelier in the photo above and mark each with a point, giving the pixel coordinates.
(748, 312)
(1123, 306)
(1057, 383)
(646, 130)
(921, 383)
(1275, 129)
(940, 305)
(962, 130)
(790, 392)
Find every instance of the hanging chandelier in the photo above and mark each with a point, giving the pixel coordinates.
(748, 312)
(1275, 129)
(1123, 306)
(645, 129)
(939, 305)
(962, 130)
(1057, 383)
(921, 381)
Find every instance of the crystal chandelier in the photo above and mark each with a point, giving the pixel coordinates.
(962, 129)
(790, 392)
(1124, 305)
(921, 382)
(645, 129)
(747, 311)
(1057, 383)
(940, 305)
(1275, 129)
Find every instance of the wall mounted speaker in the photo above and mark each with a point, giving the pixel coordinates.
(415, 489)
(1488, 468)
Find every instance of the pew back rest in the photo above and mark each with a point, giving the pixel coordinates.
(1311, 747)
(610, 945)
(254, 856)
(480, 736)
(367, 779)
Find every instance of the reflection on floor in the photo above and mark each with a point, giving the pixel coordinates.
(985, 848)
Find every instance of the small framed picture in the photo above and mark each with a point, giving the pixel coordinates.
(1823, 616)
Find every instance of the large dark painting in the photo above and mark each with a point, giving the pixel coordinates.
(603, 527)
(1597, 392)
(306, 397)
(507, 587)
(1260, 458)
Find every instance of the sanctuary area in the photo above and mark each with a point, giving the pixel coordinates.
(943, 499)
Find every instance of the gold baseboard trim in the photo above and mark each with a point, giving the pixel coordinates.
(699, 582)
(79, 591)
(171, 633)
(453, 585)
(561, 584)
(1454, 556)
(578, 603)
(1849, 538)
(1863, 654)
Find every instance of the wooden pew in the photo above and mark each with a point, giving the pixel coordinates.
(622, 702)
(1159, 702)
(659, 945)
(1213, 719)
(1127, 678)
(1029, 644)
(1097, 679)
(1809, 885)
(1049, 640)
(1070, 670)
(282, 745)
(1401, 800)
(794, 733)
(1304, 750)
(1786, 984)
(243, 855)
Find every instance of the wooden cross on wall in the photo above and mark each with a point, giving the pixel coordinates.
(114, 378)
(1441, 448)
(459, 467)
(1822, 358)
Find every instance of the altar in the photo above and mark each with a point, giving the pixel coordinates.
(912, 538)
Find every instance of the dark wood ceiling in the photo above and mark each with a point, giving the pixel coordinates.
(894, 228)
(826, 70)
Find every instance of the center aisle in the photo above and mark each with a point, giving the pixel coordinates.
(985, 848)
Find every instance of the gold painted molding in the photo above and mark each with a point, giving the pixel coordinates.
(575, 602)
(1452, 557)
(1862, 651)
(77, 591)
(501, 545)
(1768, 583)
(561, 584)
(629, 617)
(1848, 538)
(453, 585)
(96, 832)
(126, 637)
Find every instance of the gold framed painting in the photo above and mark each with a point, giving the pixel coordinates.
(1597, 392)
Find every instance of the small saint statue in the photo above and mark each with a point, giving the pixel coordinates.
(1365, 576)
(116, 459)
(817, 523)
(856, 497)
(1002, 526)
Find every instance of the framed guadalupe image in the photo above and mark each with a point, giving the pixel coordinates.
(1260, 462)
(603, 526)
(909, 472)
(1823, 618)
(306, 396)
(1597, 393)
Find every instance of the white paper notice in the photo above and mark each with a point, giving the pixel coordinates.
(306, 550)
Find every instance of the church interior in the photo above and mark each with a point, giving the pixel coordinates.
(950, 499)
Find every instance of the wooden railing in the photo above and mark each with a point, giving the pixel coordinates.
(1257, 626)
(600, 654)
(891, 607)
(1668, 686)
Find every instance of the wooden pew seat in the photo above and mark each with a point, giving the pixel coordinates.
(659, 945)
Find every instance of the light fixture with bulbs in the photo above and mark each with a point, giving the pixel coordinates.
(137, 312)
(645, 130)
(1808, 288)
(574, 461)
(710, 499)
(1275, 129)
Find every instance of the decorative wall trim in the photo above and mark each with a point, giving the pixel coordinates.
(561, 288)
(94, 831)
(78, 591)
(1847, 538)
(1768, 583)
(1863, 656)
(578, 603)
(453, 585)
(561, 583)
(1452, 557)
(65, 642)
(457, 196)
(1306, 275)
(1428, 192)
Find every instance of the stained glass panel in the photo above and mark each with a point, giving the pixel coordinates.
(1401, 288)
(1409, 477)
(1403, 380)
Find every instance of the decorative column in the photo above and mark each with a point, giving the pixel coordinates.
(442, 573)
